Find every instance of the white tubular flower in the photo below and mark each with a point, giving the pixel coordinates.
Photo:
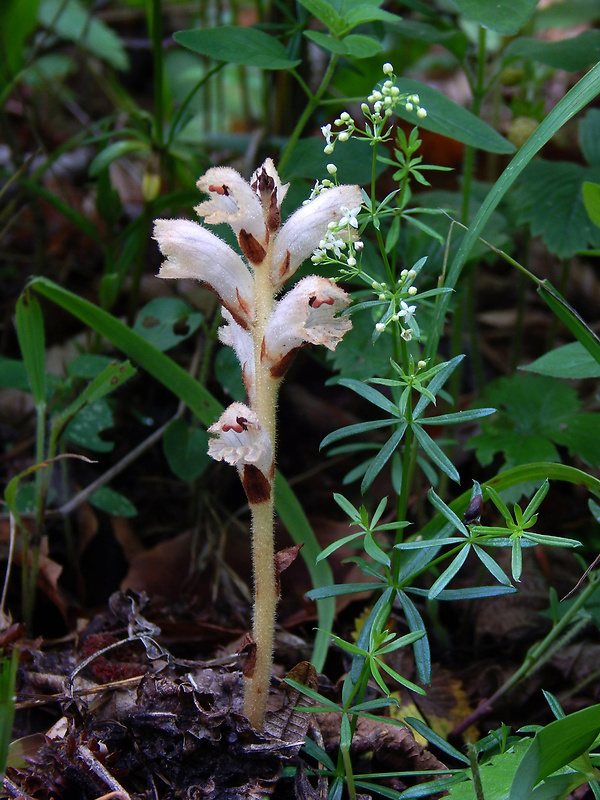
(241, 341)
(194, 252)
(305, 315)
(303, 231)
(242, 442)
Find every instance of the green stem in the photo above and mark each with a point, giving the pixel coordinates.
(307, 113)
(155, 30)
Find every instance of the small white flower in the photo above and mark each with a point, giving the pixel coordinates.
(407, 335)
(406, 311)
(326, 131)
(349, 216)
(307, 314)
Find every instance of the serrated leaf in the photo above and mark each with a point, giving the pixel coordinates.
(447, 118)
(550, 198)
(185, 448)
(71, 21)
(113, 502)
(354, 44)
(572, 54)
(237, 45)
(166, 321)
(507, 17)
(569, 361)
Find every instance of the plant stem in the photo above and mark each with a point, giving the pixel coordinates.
(263, 546)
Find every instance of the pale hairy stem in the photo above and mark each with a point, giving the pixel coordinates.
(263, 546)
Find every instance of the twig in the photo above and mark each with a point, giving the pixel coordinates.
(14, 790)
(101, 772)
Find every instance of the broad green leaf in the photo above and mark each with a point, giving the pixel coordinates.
(69, 20)
(166, 321)
(370, 13)
(13, 374)
(591, 201)
(237, 45)
(451, 38)
(229, 374)
(88, 366)
(85, 429)
(111, 377)
(572, 54)
(112, 152)
(30, 333)
(589, 136)
(325, 11)
(496, 774)
(507, 17)
(447, 118)
(308, 160)
(576, 98)
(113, 503)
(550, 198)
(567, 314)
(354, 44)
(555, 746)
(569, 361)
(17, 23)
(185, 448)
(566, 15)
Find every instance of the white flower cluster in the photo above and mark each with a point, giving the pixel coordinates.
(379, 107)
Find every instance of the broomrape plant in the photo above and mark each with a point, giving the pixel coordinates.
(265, 334)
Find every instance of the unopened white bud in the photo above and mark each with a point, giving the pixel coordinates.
(421, 364)
(382, 296)
(338, 121)
(411, 274)
(351, 261)
(422, 113)
(364, 108)
(387, 68)
(358, 245)
(412, 291)
(409, 106)
(331, 169)
(380, 327)
(344, 136)
(345, 116)
(376, 286)
(328, 150)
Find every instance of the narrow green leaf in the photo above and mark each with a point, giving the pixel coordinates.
(383, 457)
(237, 45)
(567, 314)
(507, 17)
(492, 567)
(420, 646)
(460, 416)
(112, 152)
(451, 570)
(337, 590)
(30, 332)
(435, 453)
(436, 740)
(112, 377)
(354, 430)
(574, 53)
(370, 394)
(373, 550)
(444, 509)
(339, 543)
